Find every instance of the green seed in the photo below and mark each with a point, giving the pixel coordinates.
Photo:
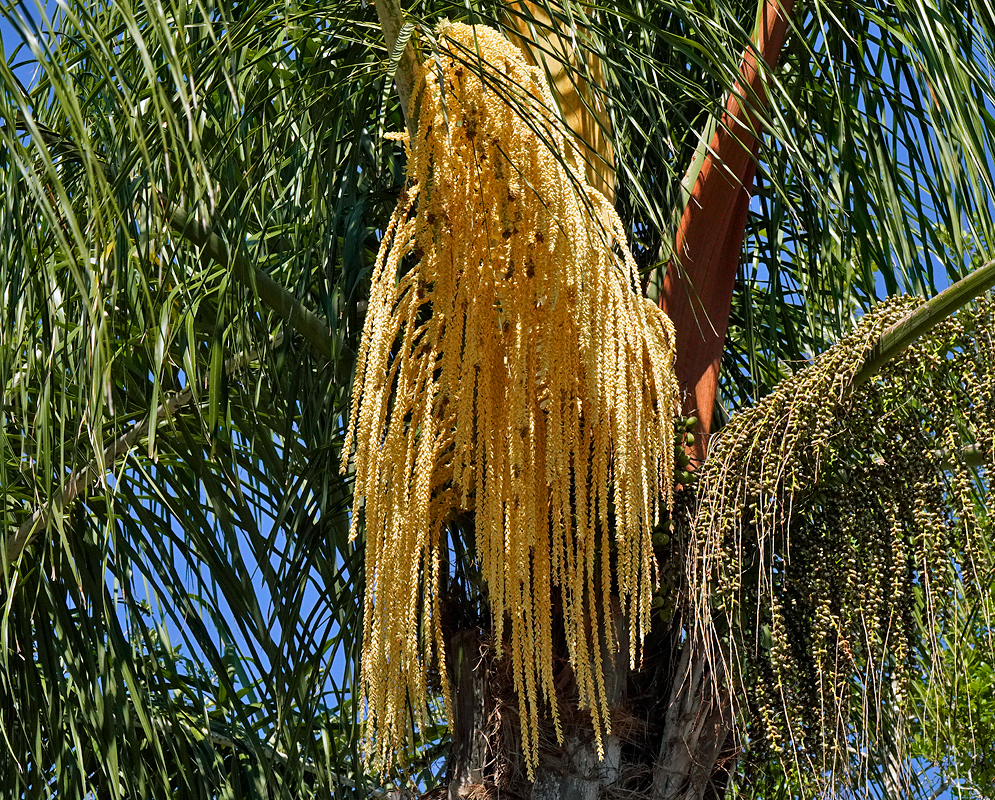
(690, 423)
(689, 439)
(658, 601)
(683, 459)
(660, 539)
(685, 478)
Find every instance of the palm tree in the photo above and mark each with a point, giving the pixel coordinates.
(194, 195)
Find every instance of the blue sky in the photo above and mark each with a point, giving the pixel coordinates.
(12, 38)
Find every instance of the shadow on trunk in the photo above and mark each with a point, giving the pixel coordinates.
(671, 734)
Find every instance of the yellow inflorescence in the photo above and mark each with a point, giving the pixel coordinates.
(509, 367)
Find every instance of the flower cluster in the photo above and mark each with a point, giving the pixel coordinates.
(509, 367)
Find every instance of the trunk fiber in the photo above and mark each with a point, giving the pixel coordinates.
(675, 745)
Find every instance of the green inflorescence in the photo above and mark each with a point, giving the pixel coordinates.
(834, 524)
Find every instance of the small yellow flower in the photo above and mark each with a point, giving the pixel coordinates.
(508, 366)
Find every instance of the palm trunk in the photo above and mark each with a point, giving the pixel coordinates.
(698, 743)
(679, 750)
(485, 759)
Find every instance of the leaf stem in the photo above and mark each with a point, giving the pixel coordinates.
(391, 21)
(899, 336)
(271, 293)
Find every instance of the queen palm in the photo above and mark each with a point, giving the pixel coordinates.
(194, 197)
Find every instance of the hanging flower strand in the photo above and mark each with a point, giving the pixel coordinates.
(508, 367)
